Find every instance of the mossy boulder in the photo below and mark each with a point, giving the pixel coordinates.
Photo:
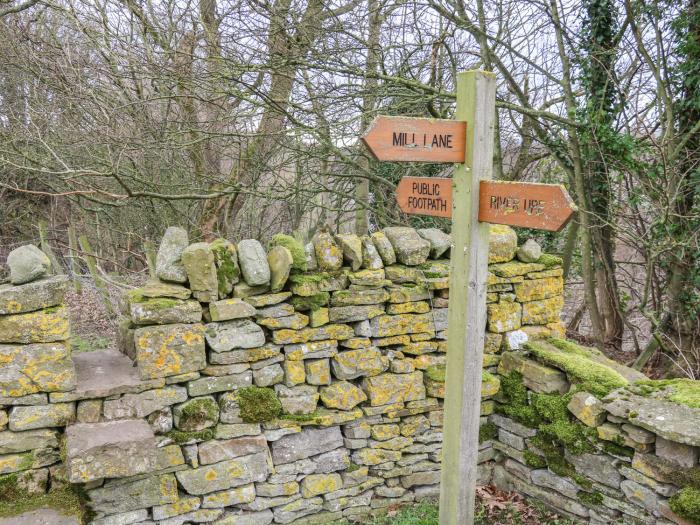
(196, 414)
(329, 256)
(228, 273)
(296, 249)
(686, 504)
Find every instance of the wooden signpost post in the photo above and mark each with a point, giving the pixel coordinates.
(473, 201)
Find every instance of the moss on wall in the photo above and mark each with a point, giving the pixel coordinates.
(294, 247)
(258, 404)
(686, 503)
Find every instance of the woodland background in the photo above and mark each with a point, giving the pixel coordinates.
(241, 119)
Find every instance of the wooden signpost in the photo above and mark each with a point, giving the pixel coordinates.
(425, 196)
(408, 139)
(472, 201)
(525, 204)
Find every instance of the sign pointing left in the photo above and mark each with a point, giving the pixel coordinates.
(406, 139)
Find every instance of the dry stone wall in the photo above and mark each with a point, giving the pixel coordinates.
(304, 384)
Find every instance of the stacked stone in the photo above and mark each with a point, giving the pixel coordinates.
(35, 359)
(301, 383)
(595, 440)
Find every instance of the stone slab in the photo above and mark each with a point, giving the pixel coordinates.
(105, 373)
(114, 449)
(43, 516)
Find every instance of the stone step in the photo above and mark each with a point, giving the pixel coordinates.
(105, 373)
(42, 516)
(113, 449)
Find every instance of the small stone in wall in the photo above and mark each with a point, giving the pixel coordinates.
(342, 395)
(253, 262)
(198, 260)
(529, 251)
(328, 255)
(410, 248)
(440, 242)
(27, 263)
(371, 259)
(280, 261)
(169, 265)
(588, 409)
(503, 243)
(352, 249)
(227, 270)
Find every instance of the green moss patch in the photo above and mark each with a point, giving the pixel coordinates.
(180, 437)
(550, 261)
(294, 247)
(686, 503)
(680, 391)
(312, 302)
(514, 401)
(436, 373)
(534, 461)
(487, 431)
(258, 404)
(309, 278)
(227, 270)
(591, 498)
(587, 374)
(15, 501)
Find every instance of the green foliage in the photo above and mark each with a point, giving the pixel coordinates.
(686, 503)
(312, 302)
(227, 269)
(258, 404)
(294, 247)
(487, 431)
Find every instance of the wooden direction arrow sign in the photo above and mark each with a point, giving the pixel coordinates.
(526, 204)
(416, 139)
(425, 196)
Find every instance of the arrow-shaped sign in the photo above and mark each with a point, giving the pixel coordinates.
(406, 139)
(425, 196)
(525, 204)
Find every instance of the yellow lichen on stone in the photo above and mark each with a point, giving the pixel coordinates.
(390, 325)
(342, 395)
(43, 326)
(384, 432)
(538, 289)
(423, 362)
(294, 372)
(419, 348)
(316, 484)
(503, 243)
(331, 331)
(386, 389)
(415, 307)
(514, 268)
(393, 340)
(504, 316)
(318, 317)
(168, 350)
(543, 312)
(492, 343)
(375, 456)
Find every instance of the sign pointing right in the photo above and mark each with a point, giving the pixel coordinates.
(525, 204)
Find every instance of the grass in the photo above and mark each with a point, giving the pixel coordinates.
(93, 342)
(427, 513)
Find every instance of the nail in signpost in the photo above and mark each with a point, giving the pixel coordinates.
(472, 200)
